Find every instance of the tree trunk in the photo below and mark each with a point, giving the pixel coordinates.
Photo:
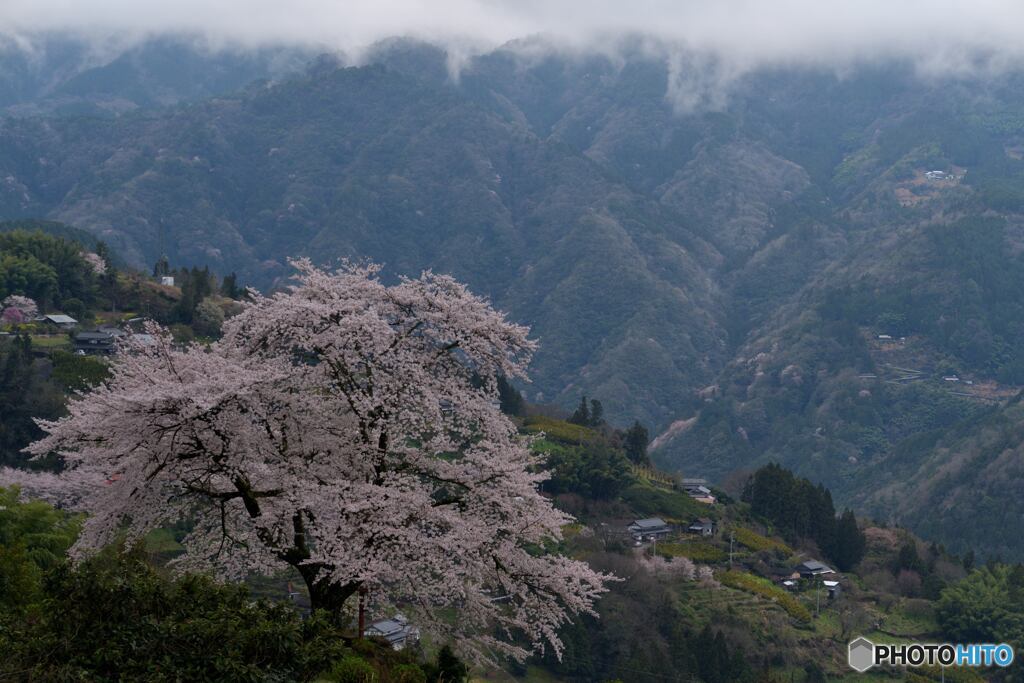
(325, 595)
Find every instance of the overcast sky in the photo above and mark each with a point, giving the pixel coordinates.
(941, 32)
(729, 37)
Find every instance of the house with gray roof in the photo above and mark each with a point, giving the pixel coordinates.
(102, 342)
(703, 526)
(653, 527)
(64, 322)
(812, 568)
(397, 631)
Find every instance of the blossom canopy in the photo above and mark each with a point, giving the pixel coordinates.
(350, 430)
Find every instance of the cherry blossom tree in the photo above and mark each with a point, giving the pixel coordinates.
(18, 309)
(95, 261)
(347, 429)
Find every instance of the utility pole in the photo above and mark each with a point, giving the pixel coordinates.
(732, 537)
(817, 599)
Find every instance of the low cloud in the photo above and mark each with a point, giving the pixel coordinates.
(725, 37)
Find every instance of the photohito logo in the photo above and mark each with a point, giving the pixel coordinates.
(863, 654)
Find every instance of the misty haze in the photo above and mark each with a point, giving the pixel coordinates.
(510, 341)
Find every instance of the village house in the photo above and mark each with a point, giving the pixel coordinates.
(59, 320)
(397, 631)
(812, 568)
(651, 528)
(96, 342)
(833, 588)
(703, 526)
(700, 493)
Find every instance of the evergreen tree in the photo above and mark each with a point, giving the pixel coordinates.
(449, 669)
(24, 395)
(908, 559)
(229, 286)
(796, 506)
(186, 305)
(103, 251)
(582, 414)
(596, 413)
(512, 402)
(596, 470)
(196, 285)
(849, 543)
(108, 278)
(162, 267)
(968, 560)
(635, 443)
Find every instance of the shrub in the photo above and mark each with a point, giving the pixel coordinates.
(698, 551)
(408, 673)
(352, 669)
(115, 617)
(559, 430)
(648, 500)
(764, 588)
(78, 372)
(758, 543)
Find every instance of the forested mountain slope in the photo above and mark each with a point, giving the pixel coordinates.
(366, 162)
(61, 74)
(783, 267)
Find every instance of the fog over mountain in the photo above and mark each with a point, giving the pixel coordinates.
(773, 248)
(715, 218)
(724, 39)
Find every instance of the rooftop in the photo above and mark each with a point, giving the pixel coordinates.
(651, 523)
(387, 627)
(815, 566)
(96, 335)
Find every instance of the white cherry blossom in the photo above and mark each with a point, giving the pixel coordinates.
(348, 429)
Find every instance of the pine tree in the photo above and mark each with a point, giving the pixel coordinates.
(162, 267)
(635, 443)
(908, 559)
(596, 413)
(849, 544)
(186, 305)
(582, 414)
(229, 286)
(512, 402)
(449, 668)
(968, 560)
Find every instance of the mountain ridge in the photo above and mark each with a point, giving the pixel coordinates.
(729, 270)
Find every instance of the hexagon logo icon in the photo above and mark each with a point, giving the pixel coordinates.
(862, 654)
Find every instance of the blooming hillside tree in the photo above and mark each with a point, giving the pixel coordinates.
(18, 309)
(95, 261)
(347, 429)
